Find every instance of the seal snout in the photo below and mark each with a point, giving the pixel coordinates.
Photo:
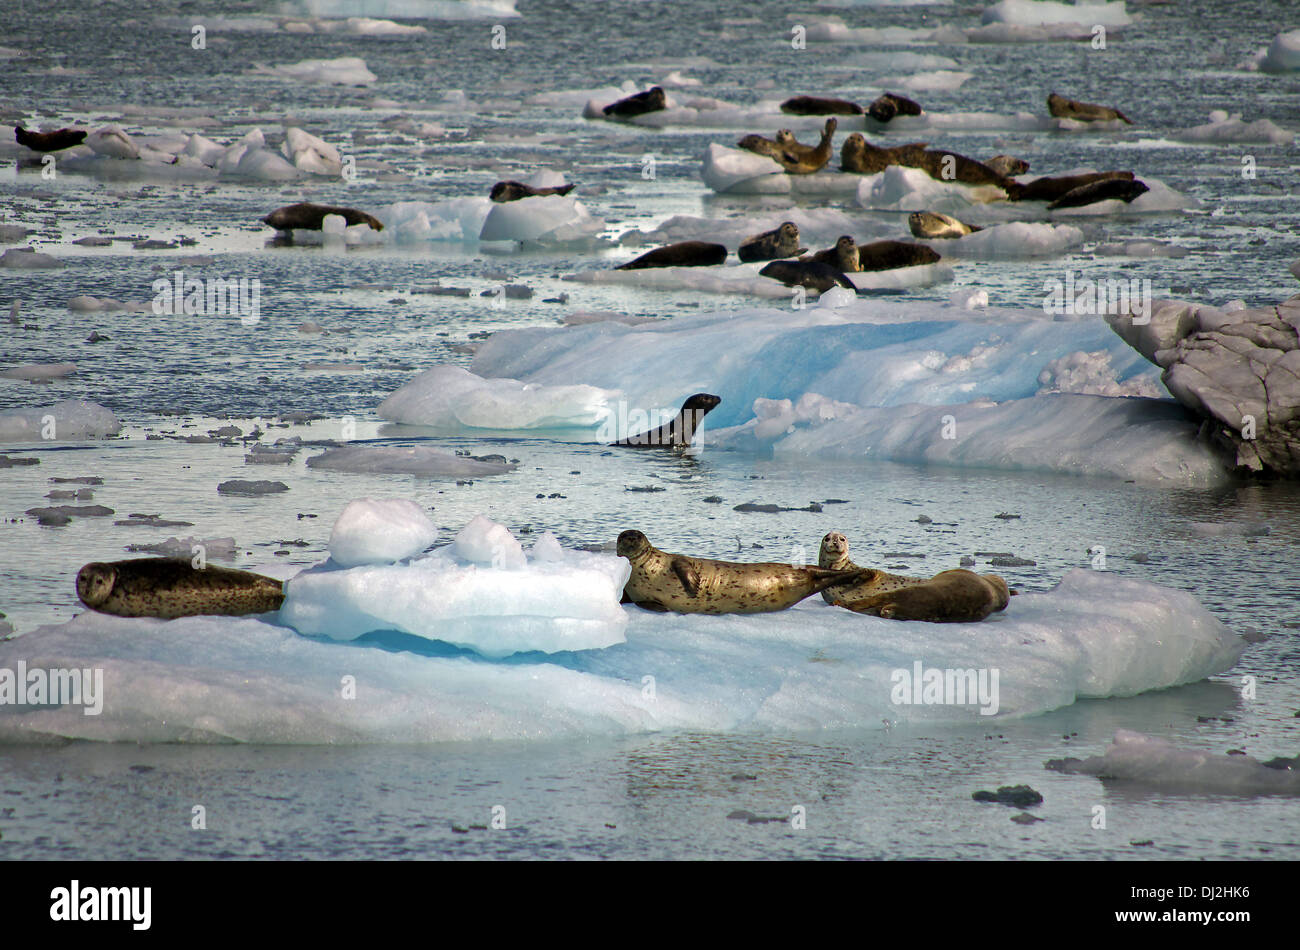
(95, 583)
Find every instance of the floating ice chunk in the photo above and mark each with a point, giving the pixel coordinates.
(380, 531)
(969, 298)
(539, 218)
(899, 188)
(343, 71)
(547, 548)
(1012, 240)
(264, 164)
(1047, 13)
(404, 460)
(546, 178)
(205, 150)
(220, 548)
(483, 541)
(1140, 249)
(460, 219)
(837, 297)
(1281, 56)
(112, 142)
(1231, 128)
(39, 372)
(311, 154)
(1147, 760)
(1091, 373)
(939, 80)
(28, 259)
(726, 168)
(72, 419)
(449, 397)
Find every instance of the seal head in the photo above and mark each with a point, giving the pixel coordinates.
(95, 583)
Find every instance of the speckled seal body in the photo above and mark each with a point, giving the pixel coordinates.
(834, 555)
(1063, 108)
(772, 245)
(956, 596)
(860, 156)
(173, 587)
(679, 433)
(696, 585)
(311, 217)
(932, 225)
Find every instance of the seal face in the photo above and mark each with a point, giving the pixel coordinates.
(932, 224)
(693, 585)
(1063, 108)
(1121, 188)
(652, 100)
(504, 191)
(1008, 165)
(1049, 189)
(815, 105)
(772, 245)
(683, 254)
(887, 255)
(890, 105)
(834, 554)
(311, 217)
(811, 274)
(49, 141)
(760, 146)
(956, 596)
(680, 432)
(170, 587)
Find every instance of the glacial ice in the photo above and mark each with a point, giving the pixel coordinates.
(544, 218)
(1011, 240)
(1048, 13)
(343, 71)
(899, 188)
(456, 219)
(73, 420)
(419, 460)
(484, 541)
(380, 531)
(1225, 128)
(1282, 55)
(218, 679)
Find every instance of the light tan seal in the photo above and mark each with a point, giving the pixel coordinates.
(956, 596)
(1008, 165)
(932, 224)
(1063, 108)
(843, 256)
(696, 585)
(834, 555)
(171, 587)
(799, 159)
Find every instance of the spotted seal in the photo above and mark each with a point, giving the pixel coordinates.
(955, 596)
(780, 242)
(651, 100)
(890, 105)
(799, 159)
(811, 274)
(682, 254)
(1122, 188)
(695, 585)
(49, 141)
(679, 433)
(834, 555)
(932, 224)
(859, 155)
(311, 217)
(1063, 108)
(888, 255)
(815, 105)
(843, 256)
(504, 191)
(171, 587)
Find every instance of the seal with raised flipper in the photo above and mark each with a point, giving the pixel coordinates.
(1124, 189)
(799, 159)
(1063, 108)
(172, 587)
(782, 241)
(679, 432)
(888, 255)
(834, 554)
(652, 100)
(955, 596)
(932, 224)
(48, 141)
(695, 585)
(682, 254)
(890, 105)
(504, 191)
(815, 105)
(811, 274)
(1049, 189)
(843, 256)
(311, 217)
(859, 155)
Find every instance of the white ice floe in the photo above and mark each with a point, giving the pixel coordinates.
(1151, 761)
(544, 218)
(221, 679)
(311, 154)
(380, 531)
(939, 80)
(26, 258)
(1281, 56)
(738, 171)
(421, 460)
(406, 9)
(457, 219)
(1012, 240)
(1226, 128)
(69, 420)
(38, 372)
(900, 188)
(343, 71)
(451, 398)
(1047, 13)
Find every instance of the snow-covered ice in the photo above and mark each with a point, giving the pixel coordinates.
(380, 531)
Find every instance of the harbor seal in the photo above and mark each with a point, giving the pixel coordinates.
(814, 105)
(834, 555)
(49, 141)
(311, 217)
(1008, 165)
(811, 274)
(682, 254)
(1063, 108)
(888, 255)
(1122, 188)
(1049, 189)
(695, 585)
(932, 224)
(173, 587)
(680, 432)
(652, 100)
(760, 146)
(772, 245)
(843, 256)
(889, 105)
(955, 596)
(859, 155)
(799, 159)
(951, 166)
(504, 191)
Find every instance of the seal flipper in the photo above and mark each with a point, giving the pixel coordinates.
(651, 605)
(688, 575)
(824, 577)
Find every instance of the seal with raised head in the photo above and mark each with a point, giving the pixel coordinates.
(834, 554)
(780, 242)
(1063, 108)
(652, 100)
(504, 191)
(1008, 165)
(951, 166)
(843, 256)
(811, 274)
(932, 224)
(1122, 188)
(682, 254)
(956, 596)
(890, 105)
(311, 217)
(679, 433)
(1049, 189)
(887, 255)
(760, 146)
(815, 105)
(799, 159)
(859, 155)
(48, 141)
(696, 585)
(172, 587)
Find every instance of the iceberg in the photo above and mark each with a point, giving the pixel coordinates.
(69, 420)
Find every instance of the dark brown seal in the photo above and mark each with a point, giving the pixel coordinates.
(890, 105)
(1049, 189)
(1063, 108)
(932, 225)
(843, 256)
(652, 100)
(678, 433)
(834, 555)
(49, 141)
(682, 254)
(956, 596)
(504, 191)
(811, 274)
(171, 587)
(311, 217)
(696, 585)
(815, 105)
(887, 255)
(1122, 188)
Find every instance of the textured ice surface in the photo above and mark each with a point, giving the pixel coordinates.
(403, 460)
(213, 679)
(484, 541)
(899, 188)
(1046, 13)
(1148, 760)
(1282, 55)
(345, 71)
(1223, 127)
(408, 9)
(380, 531)
(457, 219)
(71, 419)
(1011, 240)
(543, 218)
(449, 397)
